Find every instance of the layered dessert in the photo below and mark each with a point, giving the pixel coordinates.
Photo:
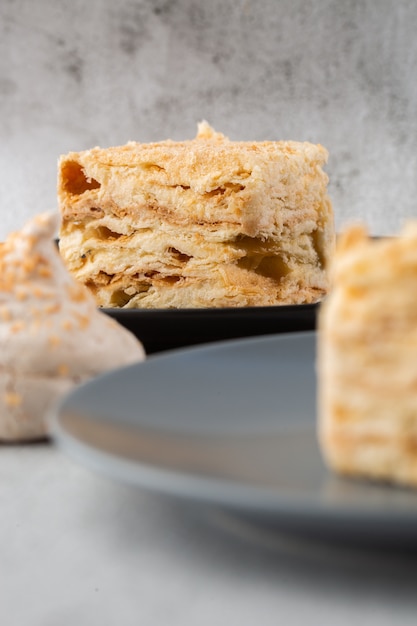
(367, 365)
(201, 223)
(52, 336)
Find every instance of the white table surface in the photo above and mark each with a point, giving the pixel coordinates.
(77, 548)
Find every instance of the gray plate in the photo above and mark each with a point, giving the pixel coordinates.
(231, 425)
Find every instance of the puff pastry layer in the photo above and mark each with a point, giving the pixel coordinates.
(367, 365)
(200, 223)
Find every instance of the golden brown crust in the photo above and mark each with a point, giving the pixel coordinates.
(367, 365)
(180, 216)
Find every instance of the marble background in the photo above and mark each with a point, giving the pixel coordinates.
(342, 73)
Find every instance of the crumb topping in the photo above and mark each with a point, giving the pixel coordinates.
(12, 399)
(54, 341)
(63, 370)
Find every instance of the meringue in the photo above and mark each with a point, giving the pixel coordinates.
(52, 336)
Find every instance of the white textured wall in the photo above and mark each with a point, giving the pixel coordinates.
(340, 72)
